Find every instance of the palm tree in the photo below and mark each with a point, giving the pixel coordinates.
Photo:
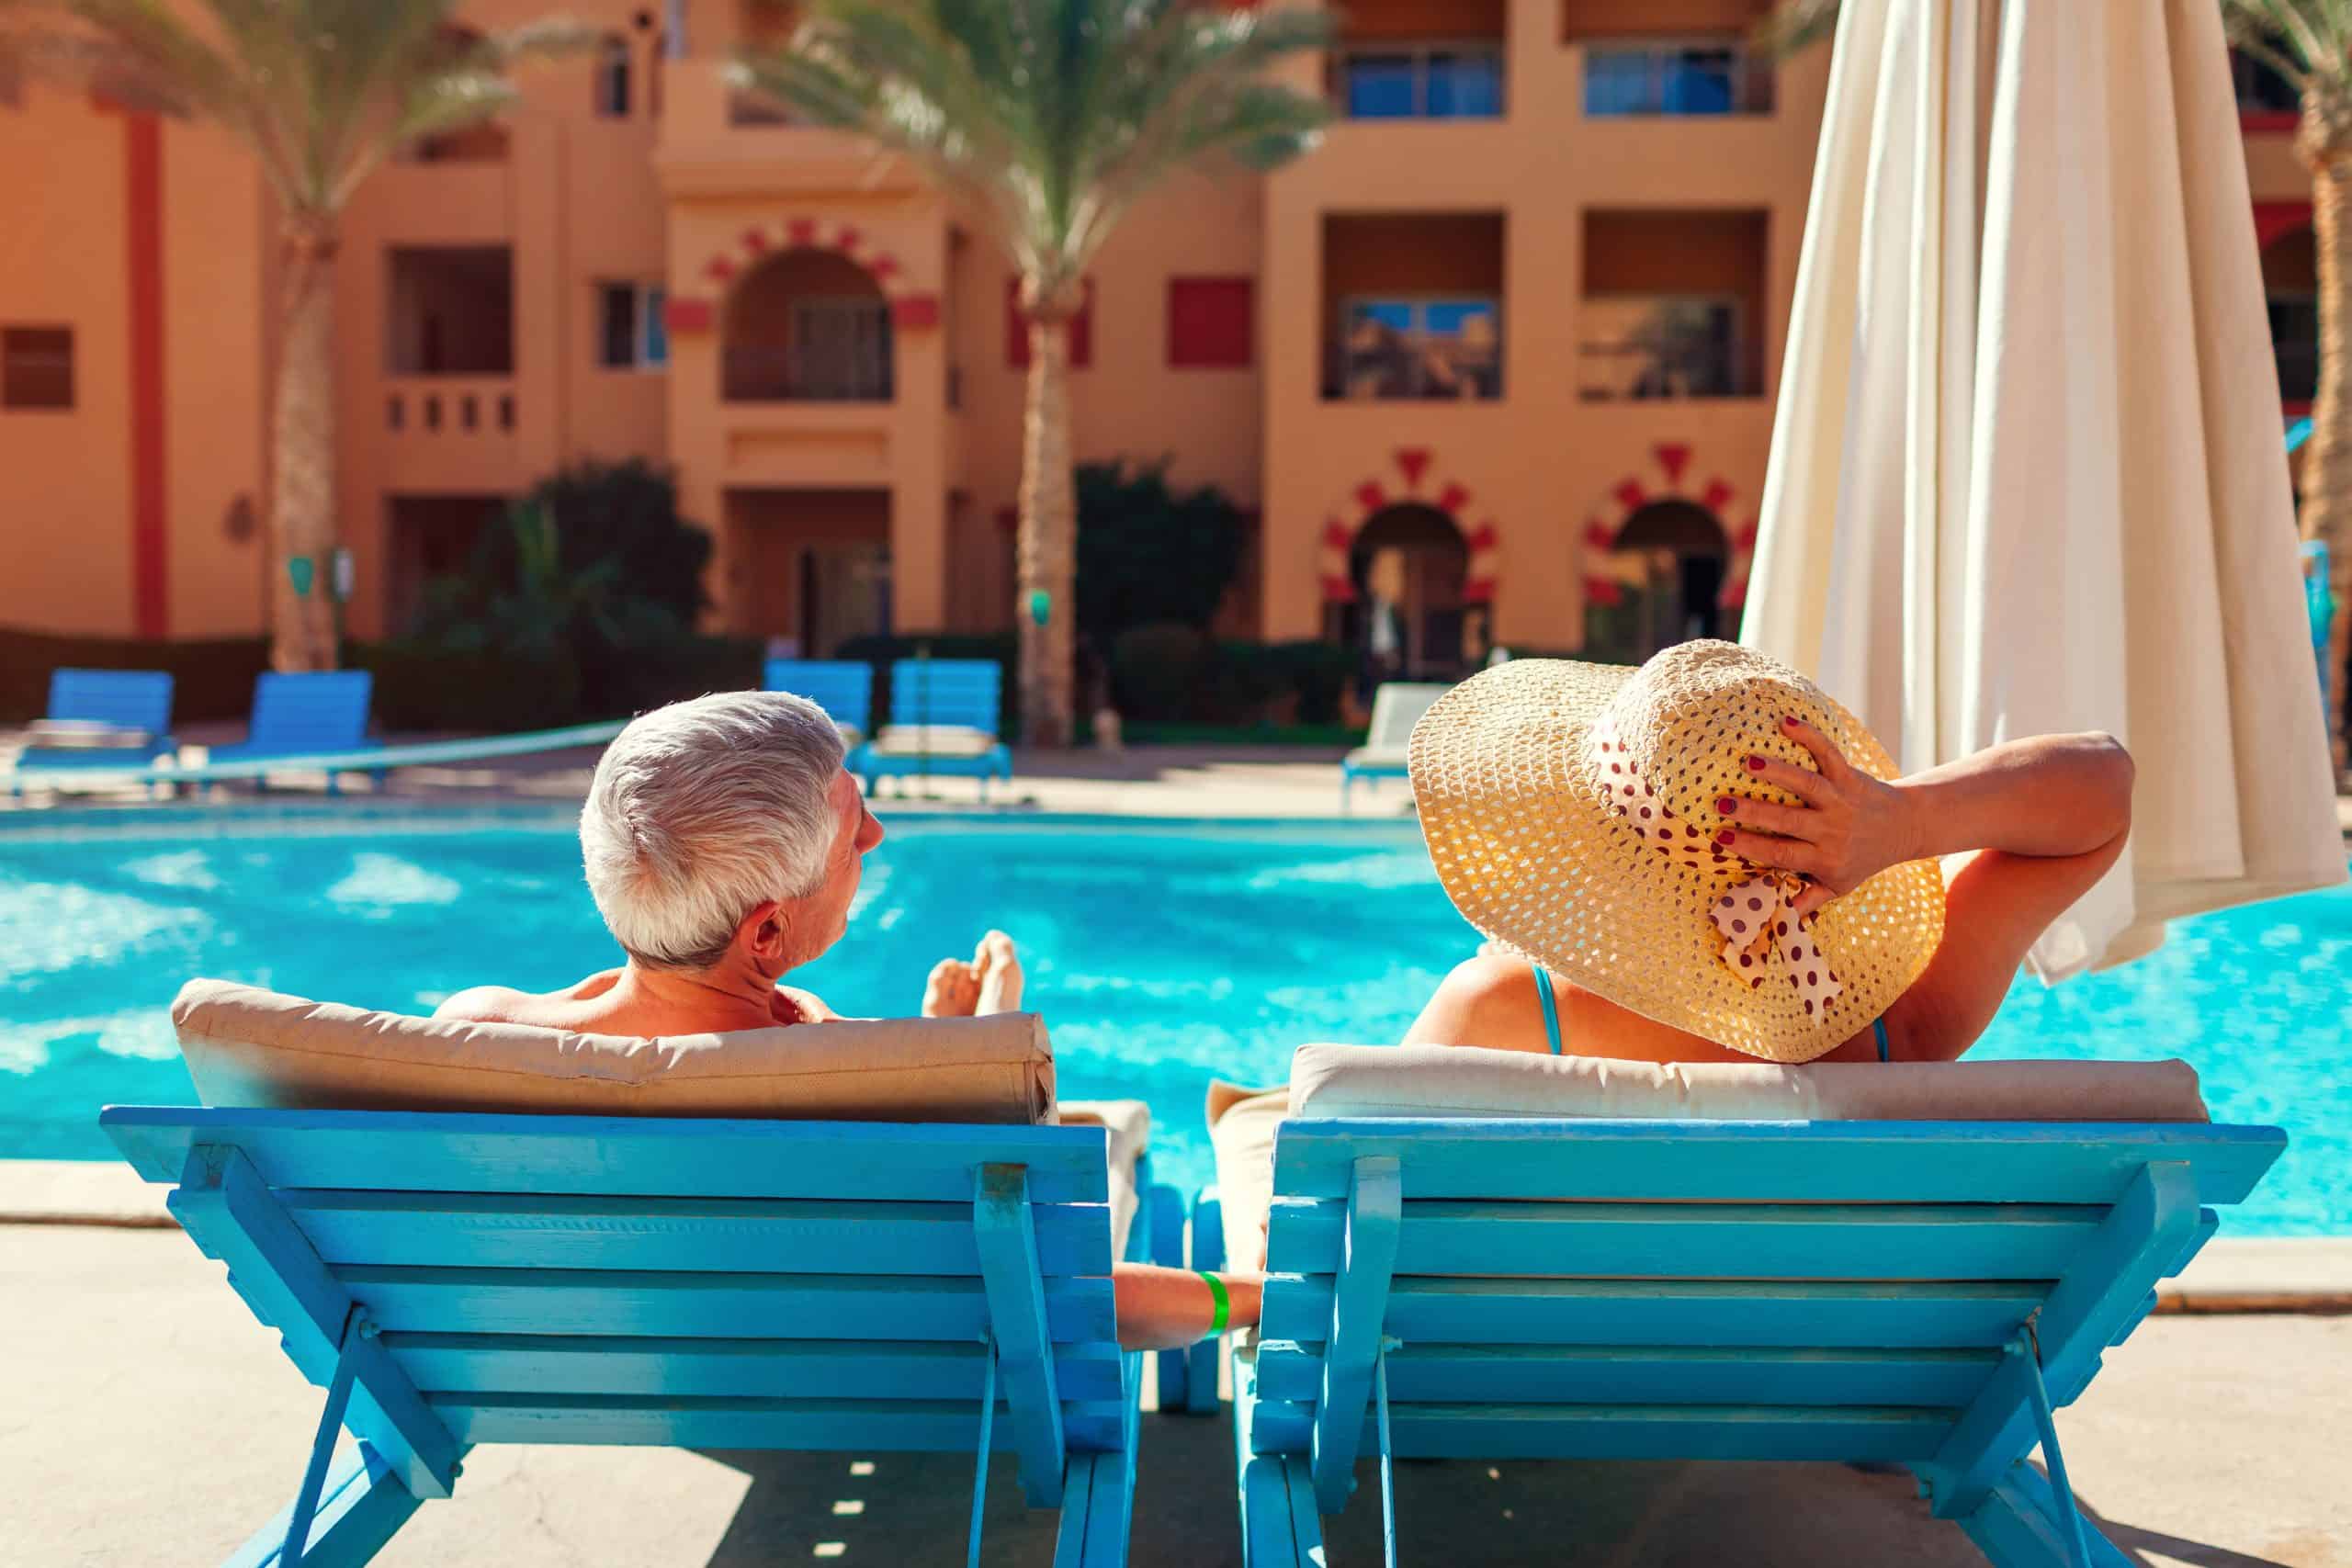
(1045, 120)
(321, 92)
(2308, 43)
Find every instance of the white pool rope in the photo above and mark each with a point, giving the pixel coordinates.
(53, 775)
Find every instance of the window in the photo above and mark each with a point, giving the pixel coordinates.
(1648, 347)
(1421, 348)
(839, 350)
(1423, 82)
(1715, 77)
(2261, 90)
(630, 332)
(1016, 329)
(612, 77)
(1211, 322)
(36, 367)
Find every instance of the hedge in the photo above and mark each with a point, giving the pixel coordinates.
(211, 679)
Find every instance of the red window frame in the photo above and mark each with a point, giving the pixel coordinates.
(1212, 322)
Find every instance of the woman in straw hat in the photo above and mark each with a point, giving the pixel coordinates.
(1708, 859)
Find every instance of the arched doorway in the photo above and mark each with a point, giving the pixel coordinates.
(1409, 619)
(2290, 288)
(806, 325)
(1667, 565)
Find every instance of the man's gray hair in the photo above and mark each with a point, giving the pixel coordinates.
(702, 811)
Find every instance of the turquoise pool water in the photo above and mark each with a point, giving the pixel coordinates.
(1160, 956)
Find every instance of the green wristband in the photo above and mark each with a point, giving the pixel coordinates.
(1224, 1302)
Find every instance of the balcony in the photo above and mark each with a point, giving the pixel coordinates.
(1677, 79)
(452, 433)
(1413, 307)
(1409, 60)
(1672, 306)
(717, 141)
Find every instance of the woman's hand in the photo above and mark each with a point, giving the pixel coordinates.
(1850, 827)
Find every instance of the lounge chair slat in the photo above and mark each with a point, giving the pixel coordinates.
(769, 1235)
(621, 1301)
(895, 1426)
(1887, 1434)
(800, 1369)
(1828, 1241)
(675, 1158)
(1855, 1162)
(1577, 1374)
(232, 1217)
(1672, 1313)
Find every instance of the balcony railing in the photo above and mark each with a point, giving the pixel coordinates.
(456, 406)
(757, 374)
(1674, 79)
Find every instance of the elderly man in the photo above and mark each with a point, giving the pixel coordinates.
(723, 843)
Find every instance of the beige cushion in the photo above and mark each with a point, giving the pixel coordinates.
(934, 741)
(1451, 1080)
(1448, 1080)
(1129, 1123)
(248, 1046)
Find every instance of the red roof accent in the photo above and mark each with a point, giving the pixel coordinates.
(1413, 461)
(883, 265)
(687, 315)
(720, 269)
(1735, 594)
(1630, 494)
(755, 241)
(845, 238)
(801, 231)
(1603, 590)
(1338, 590)
(1452, 498)
(1336, 535)
(2277, 219)
(1746, 538)
(1673, 456)
(1478, 590)
(1369, 496)
(1717, 493)
(1485, 536)
(915, 311)
(1599, 536)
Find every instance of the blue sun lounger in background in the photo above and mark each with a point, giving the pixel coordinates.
(1396, 709)
(944, 723)
(137, 702)
(452, 1280)
(320, 713)
(843, 687)
(1923, 1293)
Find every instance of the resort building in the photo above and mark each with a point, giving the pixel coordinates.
(1494, 365)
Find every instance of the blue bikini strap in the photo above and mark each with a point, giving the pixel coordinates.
(1878, 1026)
(1551, 1005)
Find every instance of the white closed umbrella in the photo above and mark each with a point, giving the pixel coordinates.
(2026, 474)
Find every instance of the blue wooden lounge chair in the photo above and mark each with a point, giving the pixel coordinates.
(1396, 709)
(306, 714)
(136, 700)
(453, 1279)
(843, 687)
(1921, 1293)
(942, 722)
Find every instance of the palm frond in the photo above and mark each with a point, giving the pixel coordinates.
(1795, 25)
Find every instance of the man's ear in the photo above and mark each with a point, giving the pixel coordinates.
(767, 934)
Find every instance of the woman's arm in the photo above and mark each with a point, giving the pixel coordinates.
(2049, 814)
(1163, 1309)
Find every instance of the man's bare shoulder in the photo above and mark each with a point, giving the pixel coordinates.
(505, 1004)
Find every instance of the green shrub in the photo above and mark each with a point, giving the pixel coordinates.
(1148, 554)
(1155, 669)
(428, 686)
(1319, 671)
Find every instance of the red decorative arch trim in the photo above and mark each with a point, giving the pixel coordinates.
(695, 307)
(1671, 475)
(1414, 474)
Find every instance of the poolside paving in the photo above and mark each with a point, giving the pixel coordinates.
(146, 1419)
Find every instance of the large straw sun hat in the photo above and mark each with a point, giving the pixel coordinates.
(1570, 809)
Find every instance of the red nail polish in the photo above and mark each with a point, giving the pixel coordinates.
(1755, 764)
(1726, 806)
(1789, 723)
(1724, 837)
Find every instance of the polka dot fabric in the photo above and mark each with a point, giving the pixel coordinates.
(1569, 810)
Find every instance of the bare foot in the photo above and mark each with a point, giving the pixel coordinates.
(953, 990)
(999, 968)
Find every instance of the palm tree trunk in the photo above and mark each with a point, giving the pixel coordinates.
(302, 505)
(1047, 539)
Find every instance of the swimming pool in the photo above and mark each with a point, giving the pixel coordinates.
(1160, 953)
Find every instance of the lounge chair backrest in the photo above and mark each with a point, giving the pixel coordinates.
(320, 711)
(708, 1284)
(964, 692)
(843, 688)
(1851, 1291)
(129, 699)
(1396, 709)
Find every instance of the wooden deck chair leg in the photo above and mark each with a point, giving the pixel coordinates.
(1097, 1500)
(1387, 1459)
(2070, 1519)
(361, 1508)
(1281, 1527)
(314, 1474)
(981, 1463)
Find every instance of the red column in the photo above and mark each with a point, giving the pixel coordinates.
(144, 237)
